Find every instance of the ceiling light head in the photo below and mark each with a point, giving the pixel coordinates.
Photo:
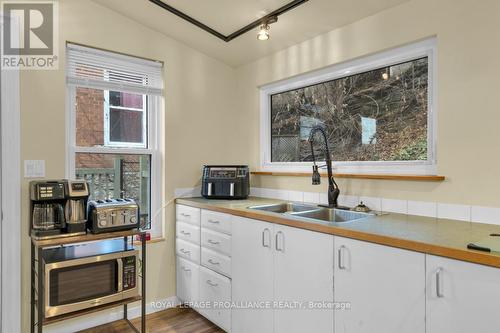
(263, 32)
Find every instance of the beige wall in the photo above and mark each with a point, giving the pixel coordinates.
(468, 68)
(209, 121)
(199, 114)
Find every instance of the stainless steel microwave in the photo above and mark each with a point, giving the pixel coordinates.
(88, 275)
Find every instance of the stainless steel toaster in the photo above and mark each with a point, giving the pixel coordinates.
(112, 215)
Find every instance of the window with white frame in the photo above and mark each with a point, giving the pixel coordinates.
(125, 119)
(114, 123)
(378, 112)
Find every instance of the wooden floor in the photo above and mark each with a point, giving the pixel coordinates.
(175, 320)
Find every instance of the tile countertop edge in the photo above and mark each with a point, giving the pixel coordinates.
(478, 257)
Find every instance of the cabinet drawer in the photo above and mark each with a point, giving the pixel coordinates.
(188, 250)
(187, 214)
(216, 261)
(216, 241)
(187, 280)
(214, 289)
(189, 232)
(216, 221)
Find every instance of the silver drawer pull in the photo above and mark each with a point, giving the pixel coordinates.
(185, 233)
(185, 215)
(185, 251)
(266, 241)
(439, 282)
(211, 283)
(213, 221)
(186, 269)
(213, 242)
(213, 262)
(280, 235)
(341, 257)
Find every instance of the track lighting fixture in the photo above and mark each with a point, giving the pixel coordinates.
(263, 32)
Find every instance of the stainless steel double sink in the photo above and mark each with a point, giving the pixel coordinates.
(312, 213)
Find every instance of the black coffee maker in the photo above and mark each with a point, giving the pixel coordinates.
(58, 208)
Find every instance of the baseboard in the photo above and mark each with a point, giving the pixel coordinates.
(96, 319)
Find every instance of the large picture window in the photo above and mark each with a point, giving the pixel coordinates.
(114, 127)
(377, 112)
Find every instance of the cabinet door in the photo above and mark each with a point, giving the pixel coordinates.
(462, 297)
(252, 275)
(303, 273)
(215, 290)
(187, 280)
(384, 286)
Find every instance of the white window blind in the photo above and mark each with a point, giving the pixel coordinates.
(92, 68)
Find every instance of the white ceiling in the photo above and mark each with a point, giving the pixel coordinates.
(226, 16)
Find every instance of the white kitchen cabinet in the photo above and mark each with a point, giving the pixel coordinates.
(385, 287)
(462, 297)
(187, 280)
(252, 275)
(279, 265)
(303, 272)
(215, 291)
(187, 214)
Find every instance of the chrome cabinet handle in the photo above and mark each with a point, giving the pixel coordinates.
(185, 215)
(185, 233)
(185, 269)
(120, 274)
(231, 189)
(213, 242)
(211, 283)
(341, 257)
(268, 243)
(185, 251)
(213, 262)
(439, 282)
(282, 247)
(214, 221)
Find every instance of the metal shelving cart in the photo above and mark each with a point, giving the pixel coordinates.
(38, 320)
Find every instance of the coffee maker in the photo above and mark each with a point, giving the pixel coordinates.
(58, 208)
(75, 209)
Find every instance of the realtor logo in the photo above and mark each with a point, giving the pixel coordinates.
(29, 35)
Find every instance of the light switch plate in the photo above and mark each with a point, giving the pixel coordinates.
(34, 168)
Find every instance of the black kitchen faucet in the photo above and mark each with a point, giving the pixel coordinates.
(333, 188)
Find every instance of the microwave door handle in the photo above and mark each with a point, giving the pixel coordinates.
(119, 261)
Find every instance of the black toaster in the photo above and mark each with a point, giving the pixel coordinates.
(225, 182)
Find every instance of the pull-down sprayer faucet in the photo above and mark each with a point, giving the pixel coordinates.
(333, 188)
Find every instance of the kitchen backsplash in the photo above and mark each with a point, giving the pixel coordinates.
(480, 214)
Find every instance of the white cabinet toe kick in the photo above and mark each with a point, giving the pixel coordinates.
(251, 276)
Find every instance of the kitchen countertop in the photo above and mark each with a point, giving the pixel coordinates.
(441, 237)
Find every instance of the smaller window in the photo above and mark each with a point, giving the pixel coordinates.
(125, 116)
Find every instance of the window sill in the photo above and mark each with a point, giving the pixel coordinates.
(151, 241)
(427, 178)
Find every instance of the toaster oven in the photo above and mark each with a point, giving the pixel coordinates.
(88, 275)
(225, 182)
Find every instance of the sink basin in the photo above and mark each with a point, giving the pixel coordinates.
(332, 215)
(286, 207)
